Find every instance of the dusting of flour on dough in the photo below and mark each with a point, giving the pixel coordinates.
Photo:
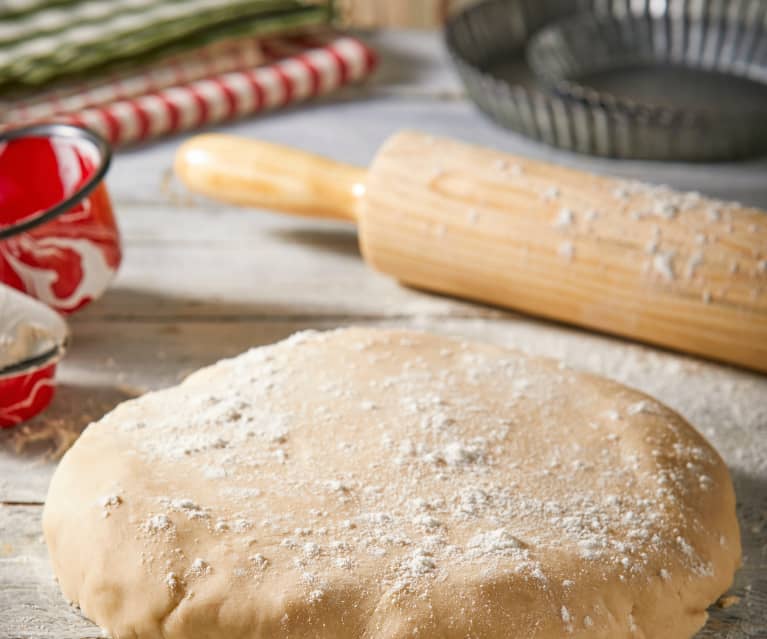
(464, 466)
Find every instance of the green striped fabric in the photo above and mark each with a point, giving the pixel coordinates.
(45, 39)
(19, 7)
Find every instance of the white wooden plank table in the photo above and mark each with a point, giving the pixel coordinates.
(203, 281)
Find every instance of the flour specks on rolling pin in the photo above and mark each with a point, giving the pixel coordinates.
(646, 262)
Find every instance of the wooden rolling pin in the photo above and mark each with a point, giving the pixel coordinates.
(645, 262)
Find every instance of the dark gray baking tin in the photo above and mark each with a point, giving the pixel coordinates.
(488, 45)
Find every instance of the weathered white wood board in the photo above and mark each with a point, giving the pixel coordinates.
(30, 602)
(202, 281)
(235, 263)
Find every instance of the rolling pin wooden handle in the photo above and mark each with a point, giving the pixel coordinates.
(270, 176)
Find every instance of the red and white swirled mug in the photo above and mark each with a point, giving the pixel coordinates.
(59, 240)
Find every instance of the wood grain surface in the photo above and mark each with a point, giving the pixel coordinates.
(203, 281)
(648, 263)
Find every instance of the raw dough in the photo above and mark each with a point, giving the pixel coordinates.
(382, 485)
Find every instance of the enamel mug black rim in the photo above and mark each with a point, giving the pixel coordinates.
(58, 130)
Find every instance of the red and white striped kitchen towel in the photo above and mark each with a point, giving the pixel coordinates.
(221, 82)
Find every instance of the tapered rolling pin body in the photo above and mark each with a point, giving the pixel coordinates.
(673, 269)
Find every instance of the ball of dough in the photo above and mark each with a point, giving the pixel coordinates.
(384, 484)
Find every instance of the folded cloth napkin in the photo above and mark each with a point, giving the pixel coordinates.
(44, 40)
(224, 81)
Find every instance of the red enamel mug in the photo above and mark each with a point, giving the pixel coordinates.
(59, 241)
